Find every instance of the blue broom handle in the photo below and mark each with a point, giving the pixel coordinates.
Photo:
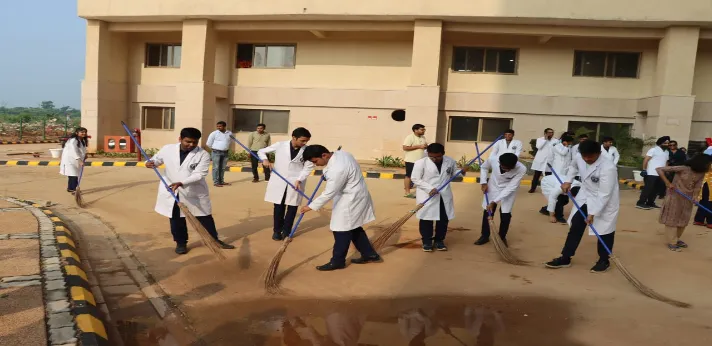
(477, 147)
(693, 201)
(585, 217)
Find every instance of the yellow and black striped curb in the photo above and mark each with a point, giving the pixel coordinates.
(89, 327)
(632, 184)
(28, 142)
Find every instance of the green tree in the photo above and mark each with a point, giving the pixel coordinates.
(47, 105)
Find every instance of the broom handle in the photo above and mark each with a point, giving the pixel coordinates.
(154, 168)
(477, 147)
(81, 173)
(301, 216)
(693, 201)
(273, 170)
(610, 253)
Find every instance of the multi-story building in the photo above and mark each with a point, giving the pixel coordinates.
(360, 74)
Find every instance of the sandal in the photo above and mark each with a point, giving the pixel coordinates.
(410, 195)
(681, 244)
(673, 247)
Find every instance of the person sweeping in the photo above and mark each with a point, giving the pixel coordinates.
(74, 154)
(676, 210)
(352, 208)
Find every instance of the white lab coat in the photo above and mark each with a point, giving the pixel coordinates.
(293, 170)
(561, 157)
(611, 154)
(551, 189)
(72, 155)
(502, 147)
(426, 177)
(501, 188)
(194, 192)
(353, 206)
(544, 154)
(599, 191)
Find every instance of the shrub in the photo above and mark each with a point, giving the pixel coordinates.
(474, 167)
(390, 161)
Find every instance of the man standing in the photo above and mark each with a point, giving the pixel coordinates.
(598, 199)
(582, 138)
(219, 143)
(544, 156)
(501, 188)
(508, 145)
(289, 162)
(256, 141)
(414, 147)
(352, 207)
(654, 158)
(561, 151)
(429, 173)
(186, 166)
(609, 151)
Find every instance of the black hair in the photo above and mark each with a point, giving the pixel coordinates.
(548, 129)
(418, 127)
(81, 142)
(190, 132)
(508, 160)
(222, 123)
(300, 132)
(314, 151)
(700, 163)
(589, 147)
(662, 140)
(673, 141)
(567, 138)
(509, 131)
(607, 139)
(263, 125)
(583, 136)
(436, 148)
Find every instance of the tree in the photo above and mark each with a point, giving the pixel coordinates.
(47, 105)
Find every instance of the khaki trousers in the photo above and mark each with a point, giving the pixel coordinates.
(673, 234)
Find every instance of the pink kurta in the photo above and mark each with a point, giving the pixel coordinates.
(677, 210)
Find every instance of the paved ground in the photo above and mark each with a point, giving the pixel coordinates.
(466, 294)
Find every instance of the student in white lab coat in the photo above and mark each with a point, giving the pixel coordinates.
(609, 151)
(561, 152)
(556, 198)
(508, 145)
(289, 162)
(544, 155)
(501, 187)
(428, 175)
(186, 165)
(352, 208)
(74, 154)
(598, 198)
(581, 138)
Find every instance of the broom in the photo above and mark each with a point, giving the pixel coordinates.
(207, 239)
(390, 231)
(77, 192)
(693, 201)
(499, 244)
(271, 282)
(628, 275)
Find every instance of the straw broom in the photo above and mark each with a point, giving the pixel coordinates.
(271, 283)
(77, 192)
(207, 239)
(499, 244)
(627, 274)
(381, 241)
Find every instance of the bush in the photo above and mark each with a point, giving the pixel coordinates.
(390, 161)
(534, 149)
(474, 167)
(150, 152)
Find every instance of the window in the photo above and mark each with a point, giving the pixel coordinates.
(495, 60)
(159, 118)
(606, 64)
(265, 56)
(596, 130)
(163, 55)
(247, 120)
(471, 129)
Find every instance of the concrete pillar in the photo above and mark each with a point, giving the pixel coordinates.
(670, 113)
(104, 88)
(424, 88)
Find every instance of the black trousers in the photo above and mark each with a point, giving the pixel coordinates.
(562, 201)
(701, 215)
(573, 239)
(536, 180)
(72, 183)
(342, 241)
(284, 216)
(650, 191)
(426, 227)
(179, 228)
(505, 219)
(255, 163)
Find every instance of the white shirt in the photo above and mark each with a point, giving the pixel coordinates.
(611, 154)
(574, 149)
(659, 158)
(219, 140)
(502, 147)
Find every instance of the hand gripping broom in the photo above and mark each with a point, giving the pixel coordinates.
(499, 244)
(381, 241)
(271, 282)
(628, 275)
(207, 239)
(77, 192)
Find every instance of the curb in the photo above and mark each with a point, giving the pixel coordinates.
(632, 184)
(27, 142)
(72, 315)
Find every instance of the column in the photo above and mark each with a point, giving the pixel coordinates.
(424, 89)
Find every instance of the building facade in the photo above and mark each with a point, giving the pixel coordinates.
(361, 74)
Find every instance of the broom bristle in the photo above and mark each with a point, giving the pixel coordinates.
(78, 198)
(208, 240)
(381, 241)
(502, 248)
(271, 282)
(645, 289)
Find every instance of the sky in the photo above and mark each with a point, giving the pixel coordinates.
(42, 45)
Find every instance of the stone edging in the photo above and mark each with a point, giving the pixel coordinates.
(632, 183)
(28, 142)
(70, 307)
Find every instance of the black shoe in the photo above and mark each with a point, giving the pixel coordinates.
(561, 220)
(277, 236)
(440, 246)
(427, 248)
(601, 266)
(653, 206)
(557, 263)
(642, 206)
(369, 259)
(225, 245)
(543, 211)
(181, 249)
(482, 241)
(531, 191)
(330, 266)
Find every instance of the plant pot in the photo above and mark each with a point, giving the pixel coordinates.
(56, 153)
(637, 177)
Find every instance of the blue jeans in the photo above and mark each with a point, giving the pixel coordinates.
(219, 165)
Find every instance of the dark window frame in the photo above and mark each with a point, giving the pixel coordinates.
(480, 127)
(484, 59)
(261, 110)
(266, 45)
(171, 112)
(171, 63)
(607, 61)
